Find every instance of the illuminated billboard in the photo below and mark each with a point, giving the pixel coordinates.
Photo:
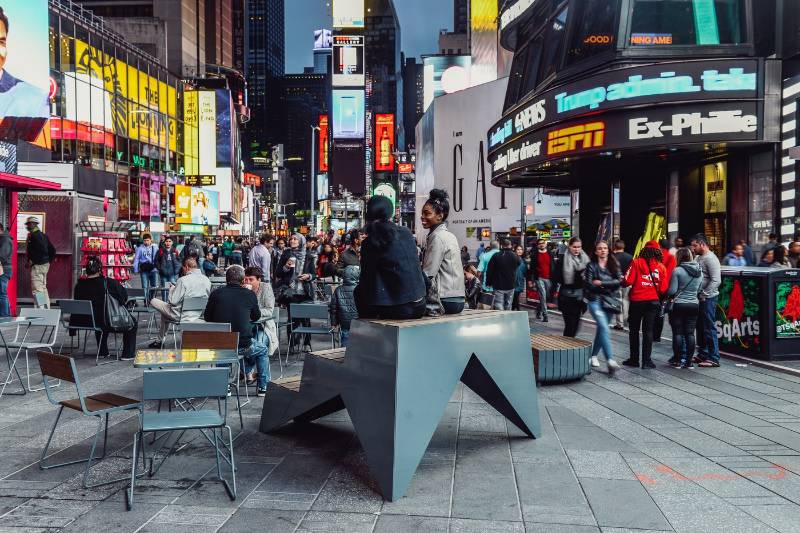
(205, 207)
(200, 133)
(183, 204)
(483, 16)
(324, 143)
(223, 128)
(348, 61)
(322, 187)
(384, 142)
(348, 114)
(25, 70)
(444, 74)
(322, 39)
(348, 14)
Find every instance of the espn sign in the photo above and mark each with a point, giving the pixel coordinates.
(576, 138)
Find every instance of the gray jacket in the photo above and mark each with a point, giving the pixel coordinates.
(192, 285)
(709, 265)
(442, 262)
(266, 303)
(685, 283)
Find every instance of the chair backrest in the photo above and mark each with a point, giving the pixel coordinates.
(194, 303)
(135, 293)
(76, 307)
(56, 366)
(39, 299)
(185, 383)
(210, 340)
(205, 326)
(49, 317)
(276, 313)
(318, 311)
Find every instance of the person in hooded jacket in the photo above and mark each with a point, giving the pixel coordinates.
(684, 285)
(647, 278)
(343, 303)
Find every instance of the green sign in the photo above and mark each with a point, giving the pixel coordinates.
(387, 190)
(193, 228)
(739, 315)
(787, 309)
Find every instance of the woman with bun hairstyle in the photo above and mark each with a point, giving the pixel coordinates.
(391, 285)
(93, 287)
(441, 263)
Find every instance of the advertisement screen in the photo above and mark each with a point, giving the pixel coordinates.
(483, 40)
(205, 207)
(324, 143)
(350, 172)
(322, 39)
(384, 142)
(25, 69)
(738, 315)
(224, 114)
(322, 187)
(787, 310)
(348, 114)
(348, 61)
(444, 75)
(348, 14)
(200, 132)
(183, 204)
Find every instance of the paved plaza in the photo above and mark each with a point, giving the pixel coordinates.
(656, 450)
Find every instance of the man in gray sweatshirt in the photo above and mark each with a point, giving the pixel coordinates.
(707, 340)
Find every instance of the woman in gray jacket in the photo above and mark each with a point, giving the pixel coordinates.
(684, 285)
(442, 261)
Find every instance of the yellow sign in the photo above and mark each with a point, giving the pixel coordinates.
(183, 204)
(191, 144)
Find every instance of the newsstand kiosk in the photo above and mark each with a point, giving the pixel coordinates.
(758, 313)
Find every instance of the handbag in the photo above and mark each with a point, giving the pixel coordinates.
(670, 303)
(663, 302)
(118, 318)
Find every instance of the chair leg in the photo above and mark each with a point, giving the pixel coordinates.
(94, 447)
(239, 401)
(134, 459)
(230, 488)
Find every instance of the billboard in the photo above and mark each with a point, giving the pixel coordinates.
(322, 39)
(223, 128)
(322, 187)
(348, 166)
(348, 14)
(348, 61)
(348, 114)
(183, 204)
(324, 143)
(444, 75)
(483, 16)
(200, 133)
(205, 207)
(738, 315)
(25, 70)
(384, 142)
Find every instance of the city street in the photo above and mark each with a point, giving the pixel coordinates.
(661, 450)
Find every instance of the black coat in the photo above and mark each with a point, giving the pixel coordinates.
(501, 273)
(610, 282)
(92, 289)
(390, 275)
(39, 248)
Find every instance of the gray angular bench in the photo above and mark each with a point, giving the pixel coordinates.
(558, 359)
(395, 380)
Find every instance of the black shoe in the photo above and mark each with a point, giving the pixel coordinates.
(687, 364)
(648, 364)
(154, 344)
(631, 362)
(261, 392)
(674, 362)
(545, 319)
(618, 327)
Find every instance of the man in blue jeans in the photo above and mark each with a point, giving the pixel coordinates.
(5, 274)
(144, 263)
(707, 340)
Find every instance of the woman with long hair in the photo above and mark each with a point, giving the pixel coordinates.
(522, 274)
(780, 260)
(570, 296)
(684, 285)
(391, 285)
(647, 278)
(601, 282)
(441, 262)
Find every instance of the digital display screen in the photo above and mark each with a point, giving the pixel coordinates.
(348, 114)
(348, 14)
(384, 142)
(348, 61)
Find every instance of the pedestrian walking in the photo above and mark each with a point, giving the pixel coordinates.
(684, 284)
(168, 263)
(483, 263)
(261, 257)
(543, 266)
(464, 256)
(624, 259)
(472, 285)
(735, 257)
(441, 263)
(144, 263)
(707, 340)
(522, 275)
(501, 275)
(647, 278)
(40, 253)
(227, 250)
(570, 295)
(601, 282)
(6, 250)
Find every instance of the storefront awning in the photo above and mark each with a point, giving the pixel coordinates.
(22, 183)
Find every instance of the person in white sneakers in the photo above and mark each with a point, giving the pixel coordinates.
(601, 282)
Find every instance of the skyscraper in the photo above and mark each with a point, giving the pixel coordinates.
(219, 32)
(413, 97)
(460, 16)
(383, 61)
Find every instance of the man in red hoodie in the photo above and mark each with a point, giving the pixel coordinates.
(648, 280)
(669, 262)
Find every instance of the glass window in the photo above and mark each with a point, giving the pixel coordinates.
(515, 76)
(595, 29)
(554, 45)
(687, 22)
(761, 213)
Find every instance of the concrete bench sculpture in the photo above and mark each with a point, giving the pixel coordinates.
(558, 358)
(396, 378)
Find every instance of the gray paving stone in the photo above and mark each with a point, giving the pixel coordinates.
(200, 515)
(429, 492)
(350, 489)
(248, 520)
(783, 518)
(590, 438)
(460, 525)
(604, 465)
(550, 493)
(559, 528)
(410, 524)
(619, 503)
(337, 522)
(111, 516)
(494, 501)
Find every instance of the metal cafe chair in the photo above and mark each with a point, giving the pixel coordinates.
(197, 303)
(50, 319)
(80, 308)
(139, 305)
(183, 384)
(101, 405)
(39, 300)
(311, 312)
(276, 318)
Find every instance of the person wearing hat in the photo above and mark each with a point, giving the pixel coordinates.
(649, 282)
(41, 253)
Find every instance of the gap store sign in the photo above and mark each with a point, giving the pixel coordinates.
(662, 83)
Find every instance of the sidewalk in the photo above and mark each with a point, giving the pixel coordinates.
(650, 450)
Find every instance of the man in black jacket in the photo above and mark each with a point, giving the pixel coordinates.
(350, 256)
(6, 249)
(501, 275)
(41, 253)
(238, 305)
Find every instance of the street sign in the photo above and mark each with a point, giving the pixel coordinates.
(201, 181)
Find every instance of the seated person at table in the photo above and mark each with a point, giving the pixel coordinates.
(93, 288)
(209, 266)
(191, 284)
(343, 306)
(266, 332)
(391, 285)
(238, 305)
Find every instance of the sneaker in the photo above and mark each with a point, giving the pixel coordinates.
(155, 344)
(708, 364)
(594, 362)
(612, 367)
(618, 327)
(261, 392)
(648, 364)
(250, 379)
(631, 362)
(687, 365)
(126, 358)
(673, 362)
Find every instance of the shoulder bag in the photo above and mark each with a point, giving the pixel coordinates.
(664, 304)
(118, 318)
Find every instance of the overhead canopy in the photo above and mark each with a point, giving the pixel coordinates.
(22, 183)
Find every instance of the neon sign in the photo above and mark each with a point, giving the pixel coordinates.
(733, 121)
(598, 39)
(647, 39)
(580, 137)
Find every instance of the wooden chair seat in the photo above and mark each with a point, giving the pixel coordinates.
(99, 402)
(292, 383)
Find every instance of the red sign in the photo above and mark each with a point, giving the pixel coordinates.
(384, 142)
(323, 143)
(405, 168)
(252, 179)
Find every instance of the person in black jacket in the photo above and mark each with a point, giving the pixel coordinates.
(349, 257)
(6, 249)
(392, 285)
(501, 275)
(41, 253)
(92, 287)
(168, 263)
(343, 304)
(601, 281)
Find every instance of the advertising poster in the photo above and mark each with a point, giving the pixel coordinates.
(348, 61)
(322, 187)
(444, 75)
(738, 316)
(190, 132)
(787, 309)
(224, 114)
(324, 143)
(207, 131)
(183, 204)
(205, 207)
(348, 14)
(323, 39)
(483, 16)
(348, 114)
(25, 70)
(384, 142)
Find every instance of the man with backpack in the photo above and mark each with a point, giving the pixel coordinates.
(144, 263)
(41, 253)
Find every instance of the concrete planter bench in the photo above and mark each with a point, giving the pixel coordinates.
(557, 359)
